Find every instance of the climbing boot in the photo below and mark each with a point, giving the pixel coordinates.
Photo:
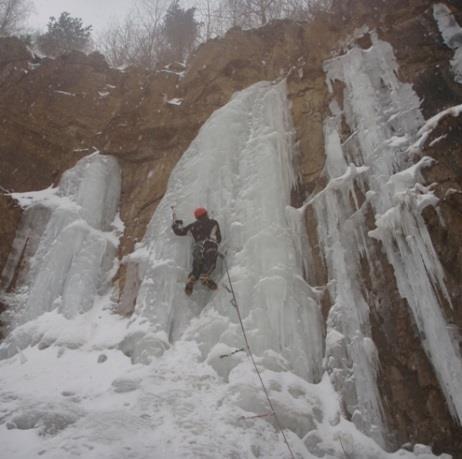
(189, 287)
(207, 282)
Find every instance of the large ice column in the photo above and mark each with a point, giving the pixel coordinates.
(351, 358)
(240, 168)
(452, 36)
(376, 107)
(72, 248)
(384, 118)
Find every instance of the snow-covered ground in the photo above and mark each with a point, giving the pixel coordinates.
(77, 380)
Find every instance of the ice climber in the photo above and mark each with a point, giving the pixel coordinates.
(207, 236)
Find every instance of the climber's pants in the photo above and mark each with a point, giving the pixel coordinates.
(204, 258)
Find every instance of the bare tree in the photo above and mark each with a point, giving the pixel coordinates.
(244, 13)
(13, 14)
(261, 11)
(119, 42)
(151, 40)
(206, 13)
(138, 40)
(218, 17)
(142, 39)
(302, 10)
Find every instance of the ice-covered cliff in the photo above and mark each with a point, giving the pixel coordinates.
(155, 385)
(337, 185)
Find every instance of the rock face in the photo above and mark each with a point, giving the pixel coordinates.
(54, 112)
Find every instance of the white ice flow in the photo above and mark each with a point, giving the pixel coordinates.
(384, 118)
(452, 36)
(97, 385)
(240, 168)
(67, 240)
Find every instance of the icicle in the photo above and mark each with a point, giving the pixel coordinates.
(350, 354)
(384, 115)
(452, 36)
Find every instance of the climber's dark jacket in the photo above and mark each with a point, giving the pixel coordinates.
(207, 236)
(202, 229)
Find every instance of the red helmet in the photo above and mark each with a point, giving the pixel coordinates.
(200, 212)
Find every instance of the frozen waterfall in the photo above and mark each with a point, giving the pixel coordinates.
(384, 119)
(240, 168)
(67, 235)
(77, 380)
(452, 36)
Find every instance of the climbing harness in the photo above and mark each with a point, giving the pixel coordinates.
(209, 245)
(234, 303)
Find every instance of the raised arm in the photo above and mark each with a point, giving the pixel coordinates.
(179, 229)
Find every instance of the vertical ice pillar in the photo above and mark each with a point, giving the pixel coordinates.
(377, 108)
(452, 36)
(351, 358)
(282, 313)
(71, 257)
(240, 168)
(383, 116)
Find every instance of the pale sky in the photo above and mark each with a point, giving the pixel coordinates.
(98, 13)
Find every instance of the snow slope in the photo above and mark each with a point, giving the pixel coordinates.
(80, 381)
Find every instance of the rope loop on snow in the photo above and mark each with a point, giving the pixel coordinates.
(234, 302)
(222, 356)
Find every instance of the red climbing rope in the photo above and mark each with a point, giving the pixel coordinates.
(249, 352)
